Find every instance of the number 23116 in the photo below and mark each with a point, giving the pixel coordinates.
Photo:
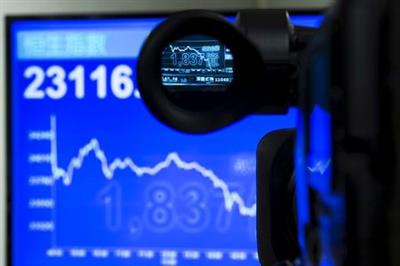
(122, 86)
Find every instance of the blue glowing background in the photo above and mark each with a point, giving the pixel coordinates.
(96, 180)
(314, 165)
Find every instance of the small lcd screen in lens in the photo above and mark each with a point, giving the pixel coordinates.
(197, 62)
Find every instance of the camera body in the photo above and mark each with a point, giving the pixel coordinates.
(327, 191)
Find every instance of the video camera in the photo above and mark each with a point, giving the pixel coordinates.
(329, 190)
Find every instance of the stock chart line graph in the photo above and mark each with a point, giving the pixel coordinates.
(320, 167)
(198, 61)
(66, 176)
(108, 169)
(211, 62)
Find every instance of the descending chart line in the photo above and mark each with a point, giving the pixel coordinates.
(231, 199)
(189, 48)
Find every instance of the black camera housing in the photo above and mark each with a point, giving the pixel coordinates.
(345, 81)
(276, 201)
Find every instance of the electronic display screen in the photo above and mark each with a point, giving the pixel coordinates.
(95, 179)
(197, 62)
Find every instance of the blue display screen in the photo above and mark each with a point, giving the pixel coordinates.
(97, 180)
